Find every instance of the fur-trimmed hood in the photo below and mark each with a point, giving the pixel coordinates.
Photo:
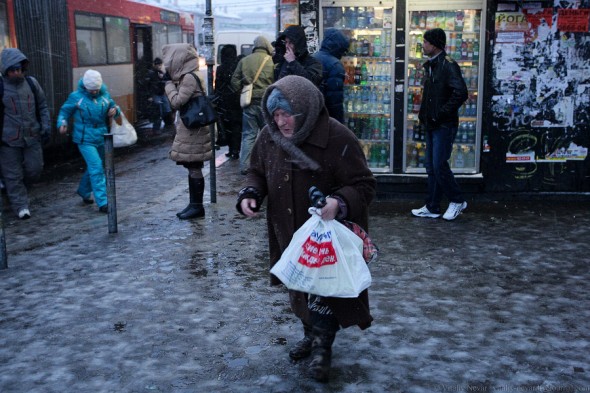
(180, 59)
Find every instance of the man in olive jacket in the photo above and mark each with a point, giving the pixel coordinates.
(252, 120)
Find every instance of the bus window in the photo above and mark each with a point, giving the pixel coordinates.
(94, 33)
(165, 34)
(118, 49)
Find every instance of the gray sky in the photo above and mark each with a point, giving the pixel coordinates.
(233, 5)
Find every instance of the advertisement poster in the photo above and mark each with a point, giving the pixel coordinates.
(574, 21)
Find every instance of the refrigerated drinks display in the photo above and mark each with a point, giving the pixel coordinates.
(463, 31)
(367, 85)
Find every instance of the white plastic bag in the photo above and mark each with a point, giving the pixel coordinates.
(324, 258)
(123, 134)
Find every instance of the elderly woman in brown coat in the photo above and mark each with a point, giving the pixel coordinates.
(300, 147)
(191, 147)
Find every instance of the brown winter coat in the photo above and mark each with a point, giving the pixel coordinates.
(190, 145)
(343, 171)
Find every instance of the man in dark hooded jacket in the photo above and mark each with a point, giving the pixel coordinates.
(24, 127)
(333, 47)
(295, 59)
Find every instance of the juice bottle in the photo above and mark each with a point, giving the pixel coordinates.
(475, 49)
(419, 47)
(464, 50)
(412, 53)
(422, 20)
(417, 102)
(452, 43)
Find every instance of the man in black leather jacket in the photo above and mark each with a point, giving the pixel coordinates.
(444, 93)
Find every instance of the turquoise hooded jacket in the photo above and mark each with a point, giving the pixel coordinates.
(89, 113)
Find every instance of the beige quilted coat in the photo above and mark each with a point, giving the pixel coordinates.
(190, 145)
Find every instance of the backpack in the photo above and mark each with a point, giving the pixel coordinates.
(29, 80)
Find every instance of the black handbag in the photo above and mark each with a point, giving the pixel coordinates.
(198, 111)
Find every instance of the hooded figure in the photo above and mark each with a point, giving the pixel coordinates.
(333, 47)
(191, 147)
(92, 108)
(245, 74)
(227, 102)
(312, 149)
(296, 60)
(24, 128)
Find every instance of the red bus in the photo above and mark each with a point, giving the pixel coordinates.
(119, 38)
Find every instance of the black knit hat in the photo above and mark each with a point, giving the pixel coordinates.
(436, 37)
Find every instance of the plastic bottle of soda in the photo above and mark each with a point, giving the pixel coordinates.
(386, 101)
(377, 46)
(357, 74)
(364, 73)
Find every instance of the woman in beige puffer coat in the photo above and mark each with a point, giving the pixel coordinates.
(191, 146)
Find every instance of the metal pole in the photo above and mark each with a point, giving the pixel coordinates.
(209, 52)
(3, 257)
(110, 175)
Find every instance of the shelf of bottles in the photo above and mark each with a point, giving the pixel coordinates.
(367, 84)
(462, 29)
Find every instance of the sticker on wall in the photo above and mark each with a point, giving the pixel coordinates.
(572, 152)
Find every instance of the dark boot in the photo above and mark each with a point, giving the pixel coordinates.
(302, 348)
(321, 351)
(195, 208)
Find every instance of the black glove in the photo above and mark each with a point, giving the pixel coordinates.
(248, 192)
(45, 138)
(316, 197)
(166, 77)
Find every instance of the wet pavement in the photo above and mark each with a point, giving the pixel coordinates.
(496, 301)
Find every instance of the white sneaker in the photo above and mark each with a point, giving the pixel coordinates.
(424, 212)
(454, 210)
(23, 214)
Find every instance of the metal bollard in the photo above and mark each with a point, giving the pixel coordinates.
(110, 175)
(3, 257)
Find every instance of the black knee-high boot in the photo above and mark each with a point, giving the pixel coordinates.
(195, 209)
(302, 348)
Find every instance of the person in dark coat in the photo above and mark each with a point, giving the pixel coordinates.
(227, 102)
(295, 59)
(444, 93)
(301, 147)
(158, 97)
(333, 47)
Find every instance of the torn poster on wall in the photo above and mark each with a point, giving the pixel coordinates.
(541, 74)
(309, 20)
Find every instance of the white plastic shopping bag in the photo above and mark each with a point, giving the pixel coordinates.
(123, 134)
(324, 258)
